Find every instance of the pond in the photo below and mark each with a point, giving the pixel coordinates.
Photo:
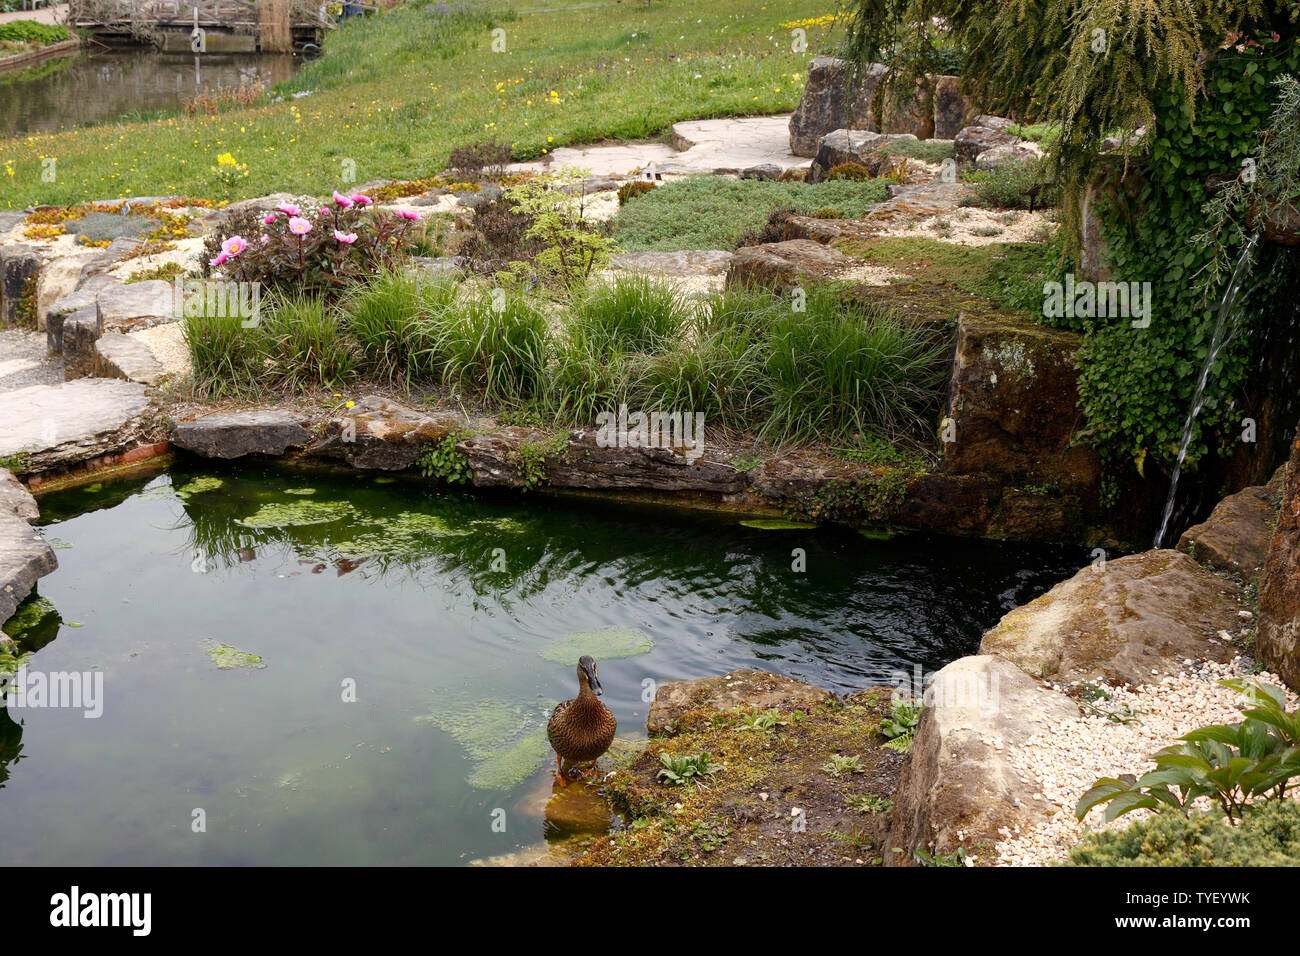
(391, 653)
(107, 85)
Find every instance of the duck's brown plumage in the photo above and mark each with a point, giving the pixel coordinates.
(582, 729)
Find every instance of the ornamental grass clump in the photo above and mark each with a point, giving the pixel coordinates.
(316, 250)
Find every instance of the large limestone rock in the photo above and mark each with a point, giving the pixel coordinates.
(781, 266)
(952, 110)
(958, 789)
(75, 334)
(236, 434)
(741, 688)
(1277, 639)
(1127, 621)
(382, 434)
(138, 305)
(126, 357)
(1013, 403)
(1012, 154)
(865, 148)
(829, 102)
(1236, 535)
(973, 140)
(55, 425)
(62, 276)
(15, 499)
(674, 264)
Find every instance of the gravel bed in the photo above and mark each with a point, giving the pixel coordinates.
(1069, 758)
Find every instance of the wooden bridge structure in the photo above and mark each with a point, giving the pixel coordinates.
(227, 26)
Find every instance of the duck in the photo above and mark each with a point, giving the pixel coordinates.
(581, 729)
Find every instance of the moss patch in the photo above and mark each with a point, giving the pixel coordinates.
(608, 643)
(198, 486)
(772, 803)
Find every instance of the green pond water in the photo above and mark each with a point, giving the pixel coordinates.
(233, 612)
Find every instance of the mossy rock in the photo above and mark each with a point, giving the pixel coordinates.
(608, 643)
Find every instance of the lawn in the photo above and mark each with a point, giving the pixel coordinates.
(394, 93)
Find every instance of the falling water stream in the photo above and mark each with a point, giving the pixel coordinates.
(1225, 327)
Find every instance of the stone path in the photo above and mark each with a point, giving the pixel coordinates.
(704, 146)
(24, 362)
(50, 14)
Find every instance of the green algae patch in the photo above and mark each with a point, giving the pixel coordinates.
(296, 514)
(513, 765)
(608, 643)
(508, 525)
(300, 491)
(198, 486)
(777, 524)
(876, 534)
(229, 658)
(506, 741)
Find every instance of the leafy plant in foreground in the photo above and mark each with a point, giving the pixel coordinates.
(685, 770)
(1233, 765)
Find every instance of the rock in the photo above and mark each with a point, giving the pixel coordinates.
(1014, 154)
(1236, 535)
(123, 356)
(59, 280)
(768, 171)
(70, 423)
(438, 267)
(684, 262)
(236, 434)
(382, 434)
(973, 140)
(486, 194)
(24, 559)
(20, 268)
(595, 184)
(781, 266)
(10, 220)
(75, 334)
(909, 112)
(741, 688)
(952, 110)
(1094, 249)
(1129, 621)
(217, 218)
(1277, 640)
(500, 459)
(1013, 403)
(958, 788)
(830, 102)
(999, 123)
(854, 146)
(15, 499)
(139, 305)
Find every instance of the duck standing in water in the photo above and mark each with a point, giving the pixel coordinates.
(581, 729)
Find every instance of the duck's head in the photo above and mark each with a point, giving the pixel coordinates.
(588, 676)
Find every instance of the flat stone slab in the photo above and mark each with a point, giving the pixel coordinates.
(122, 356)
(237, 434)
(709, 262)
(23, 360)
(780, 266)
(136, 305)
(958, 789)
(24, 559)
(71, 422)
(1236, 535)
(1129, 621)
(741, 688)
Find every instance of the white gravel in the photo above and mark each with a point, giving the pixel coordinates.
(1072, 756)
(167, 343)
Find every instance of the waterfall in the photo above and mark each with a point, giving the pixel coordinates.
(1224, 329)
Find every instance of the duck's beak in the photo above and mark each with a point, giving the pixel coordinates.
(594, 681)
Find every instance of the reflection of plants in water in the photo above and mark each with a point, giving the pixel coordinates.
(11, 744)
(34, 624)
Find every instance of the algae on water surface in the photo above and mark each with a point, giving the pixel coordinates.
(296, 514)
(229, 658)
(507, 741)
(608, 643)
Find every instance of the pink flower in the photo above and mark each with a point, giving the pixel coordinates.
(289, 209)
(233, 246)
(268, 219)
(344, 201)
(265, 237)
(299, 226)
(219, 260)
(360, 200)
(347, 238)
(407, 214)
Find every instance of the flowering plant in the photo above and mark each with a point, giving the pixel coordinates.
(311, 248)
